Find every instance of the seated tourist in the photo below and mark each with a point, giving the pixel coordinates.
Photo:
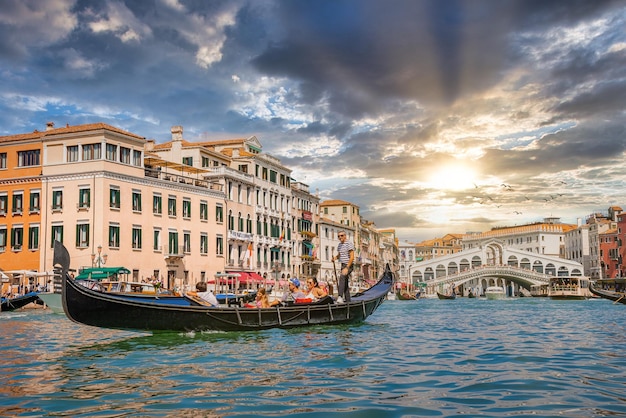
(206, 295)
(292, 295)
(262, 300)
(315, 291)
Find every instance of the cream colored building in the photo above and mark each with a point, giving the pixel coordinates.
(161, 223)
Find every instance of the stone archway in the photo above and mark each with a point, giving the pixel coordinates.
(494, 253)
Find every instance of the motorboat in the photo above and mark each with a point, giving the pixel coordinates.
(495, 293)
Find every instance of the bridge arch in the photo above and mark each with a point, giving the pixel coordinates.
(512, 261)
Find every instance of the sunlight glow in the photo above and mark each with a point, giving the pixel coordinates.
(452, 177)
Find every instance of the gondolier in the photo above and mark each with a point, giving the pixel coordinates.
(345, 249)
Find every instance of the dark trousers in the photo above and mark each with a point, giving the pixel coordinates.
(343, 288)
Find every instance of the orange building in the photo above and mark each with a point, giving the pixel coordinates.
(20, 200)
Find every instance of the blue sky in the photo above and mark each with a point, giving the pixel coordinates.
(432, 116)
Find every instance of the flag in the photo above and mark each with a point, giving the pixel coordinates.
(247, 255)
(282, 236)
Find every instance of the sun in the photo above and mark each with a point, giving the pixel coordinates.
(452, 177)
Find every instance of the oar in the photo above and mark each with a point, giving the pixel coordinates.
(336, 279)
(620, 298)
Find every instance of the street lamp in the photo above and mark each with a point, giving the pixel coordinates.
(98, 260)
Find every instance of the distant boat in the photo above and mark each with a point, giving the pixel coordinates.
(442, 296)
(616, 297)
(539, 290)
(569, 287)
(404, 295)
(10, 304)
(495, 292)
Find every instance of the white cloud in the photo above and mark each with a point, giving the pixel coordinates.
(120, 21)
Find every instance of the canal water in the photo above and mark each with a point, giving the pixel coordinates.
(426, 358)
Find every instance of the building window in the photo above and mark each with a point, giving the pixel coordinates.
(156, 240)
(35, 201)
(137, 158)
(82, 235)
(273, 176)
(172, 243)
(57, 200)
(204, 211)
(114, 236)
(188, 161)
(3, 160)
(204, 243)
(84, 198)
(3, 204)
(92, 152)
(239, 222)
(3, 239)
(57, 234)
(157, 203)
(231, 221)
(219, 214)
(111, 152)
(28, 158)
(219, 245)
(136, 201)
(171, 206)
(186, 208)
(17, 237)
(72, 153)
(33, 237)
(136, 237)
(125, 155)
(18, 203)
(205, 162)
(114, 198)
(187, 242)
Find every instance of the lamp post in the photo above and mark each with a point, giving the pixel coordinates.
(98, 260)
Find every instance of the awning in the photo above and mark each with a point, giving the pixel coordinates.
(246, 277)
(101, 273)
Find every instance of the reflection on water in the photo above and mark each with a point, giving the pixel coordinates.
(412, 358)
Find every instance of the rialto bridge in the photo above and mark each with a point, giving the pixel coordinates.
(491, 264)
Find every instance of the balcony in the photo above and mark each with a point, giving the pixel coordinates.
(176, 253)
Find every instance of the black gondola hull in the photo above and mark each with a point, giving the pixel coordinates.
(606, 294)
(18, 302)
(105, 310)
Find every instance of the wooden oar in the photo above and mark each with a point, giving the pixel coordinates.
(620, 298)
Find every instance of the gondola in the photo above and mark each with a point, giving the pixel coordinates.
(99, 309)
(10, 304)
(442, 296)
(607, 294)
(405, 296)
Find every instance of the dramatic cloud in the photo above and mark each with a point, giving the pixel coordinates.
(432, 116)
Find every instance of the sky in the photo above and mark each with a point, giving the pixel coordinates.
(434, 117)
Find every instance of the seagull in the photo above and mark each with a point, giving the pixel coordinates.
(517, 213)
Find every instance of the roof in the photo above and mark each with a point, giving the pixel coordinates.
(39, 135)
(336, 202)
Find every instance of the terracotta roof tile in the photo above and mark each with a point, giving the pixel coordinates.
(65, 130)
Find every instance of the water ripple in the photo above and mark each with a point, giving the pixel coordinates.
(427, 358)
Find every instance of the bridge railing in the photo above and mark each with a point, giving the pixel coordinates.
(492, 270)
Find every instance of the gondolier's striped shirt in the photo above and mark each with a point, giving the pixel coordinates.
(344, 248)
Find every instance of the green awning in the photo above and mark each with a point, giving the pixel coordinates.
(101, 273)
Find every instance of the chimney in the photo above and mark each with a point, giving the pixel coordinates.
(49, 126)
(177, 133)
